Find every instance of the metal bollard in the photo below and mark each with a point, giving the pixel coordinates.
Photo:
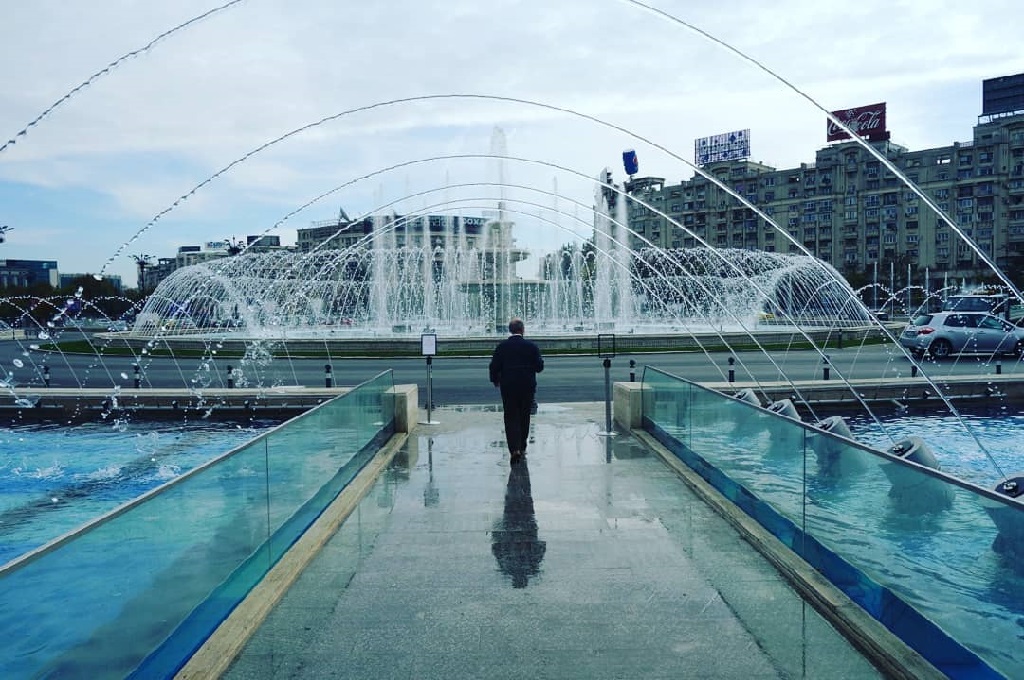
(46, 375)
(913, 371)
(732, 371)
(328, 376)
(138, 377)
(825, 372)
(999, 366)
(231, 377)
(632, 370)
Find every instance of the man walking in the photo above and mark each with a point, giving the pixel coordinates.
(514, 367)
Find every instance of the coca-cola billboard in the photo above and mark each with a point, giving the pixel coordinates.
(865, 121)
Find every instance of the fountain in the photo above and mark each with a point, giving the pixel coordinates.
(459, 278)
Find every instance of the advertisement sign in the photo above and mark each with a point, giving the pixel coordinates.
(865, 121)
(731, 146)
(630, 162)
(1002, 95)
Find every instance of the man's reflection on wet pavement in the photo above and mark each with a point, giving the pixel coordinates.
(514, 538)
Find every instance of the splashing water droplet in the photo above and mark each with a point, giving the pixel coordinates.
(98, 277)
(54, 500)
(43, 335)
(32, 346)
(124, 376)
(18, 363)
(145, 351)
(78, 293)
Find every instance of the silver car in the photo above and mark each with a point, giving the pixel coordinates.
(945, 333)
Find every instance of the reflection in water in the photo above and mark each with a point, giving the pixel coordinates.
(514, 539)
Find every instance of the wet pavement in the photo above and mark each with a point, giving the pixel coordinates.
(591, 559)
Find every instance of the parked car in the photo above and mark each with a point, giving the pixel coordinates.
(944, 333)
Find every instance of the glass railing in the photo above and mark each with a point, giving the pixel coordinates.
(136, 592)
(938, 561)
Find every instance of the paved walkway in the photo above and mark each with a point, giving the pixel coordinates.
(591, 560)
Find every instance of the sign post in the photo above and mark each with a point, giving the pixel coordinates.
(428, 348)
(606, 350)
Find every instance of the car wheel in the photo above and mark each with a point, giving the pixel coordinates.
(940, 349)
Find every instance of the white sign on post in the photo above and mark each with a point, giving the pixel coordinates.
(428, 344)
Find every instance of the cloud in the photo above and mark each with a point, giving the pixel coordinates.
(162, 123)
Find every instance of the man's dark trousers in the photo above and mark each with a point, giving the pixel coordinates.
(517, 404)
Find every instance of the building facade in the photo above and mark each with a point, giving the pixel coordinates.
(393, 231)
(848, 209)
(25, 273)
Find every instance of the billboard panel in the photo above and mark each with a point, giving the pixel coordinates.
(1002, 95)
(730, 146)
(865, 121)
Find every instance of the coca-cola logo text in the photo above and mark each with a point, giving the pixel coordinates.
(864, 121)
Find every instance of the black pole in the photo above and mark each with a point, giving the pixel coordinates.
(732, 371)
(430, 395)
(825, 371)
(632, 370)
(913, 370)
(231, 377)
(607, 395)
(46, 375)
(999, 367)
(328, 376)
(138, 377)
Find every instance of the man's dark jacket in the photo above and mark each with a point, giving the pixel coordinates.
(515, 364)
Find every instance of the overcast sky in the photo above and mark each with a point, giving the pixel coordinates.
(96, 180)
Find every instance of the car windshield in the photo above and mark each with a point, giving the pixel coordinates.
(922, 320)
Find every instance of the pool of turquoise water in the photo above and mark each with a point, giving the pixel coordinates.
(53, 479)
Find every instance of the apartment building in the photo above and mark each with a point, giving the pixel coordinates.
(853, 211)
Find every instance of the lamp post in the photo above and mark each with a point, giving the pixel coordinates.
(142, 261)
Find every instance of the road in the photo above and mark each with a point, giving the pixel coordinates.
(463, 380)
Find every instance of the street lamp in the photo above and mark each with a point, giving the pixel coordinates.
(142, 261)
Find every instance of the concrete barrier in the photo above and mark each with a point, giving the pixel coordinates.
(407, 408)
(627, 404)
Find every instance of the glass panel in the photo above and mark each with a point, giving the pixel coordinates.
(937, 560)
(102, 601)
(138, 592)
